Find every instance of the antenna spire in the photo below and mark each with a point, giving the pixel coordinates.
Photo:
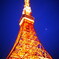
(27, 8)
(26, 2)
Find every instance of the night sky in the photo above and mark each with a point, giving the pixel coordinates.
(46, 14)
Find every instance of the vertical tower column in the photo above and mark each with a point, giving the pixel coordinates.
(27, 44)
(27, 8)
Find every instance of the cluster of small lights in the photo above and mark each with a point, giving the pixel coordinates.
(27, 8)
(24, 19)
(29, 46)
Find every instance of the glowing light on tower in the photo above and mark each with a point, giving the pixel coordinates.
(27, 44)
(27, 8)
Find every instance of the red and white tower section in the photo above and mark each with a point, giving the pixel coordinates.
(27, 44)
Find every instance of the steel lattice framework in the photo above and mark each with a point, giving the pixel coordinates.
(27, 44)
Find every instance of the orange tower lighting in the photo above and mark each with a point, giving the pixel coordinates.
(27, 44)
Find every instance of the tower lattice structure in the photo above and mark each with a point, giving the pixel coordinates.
(27, 44)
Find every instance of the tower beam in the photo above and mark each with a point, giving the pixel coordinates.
(27, 3)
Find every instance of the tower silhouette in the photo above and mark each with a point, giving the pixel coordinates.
(27, 44)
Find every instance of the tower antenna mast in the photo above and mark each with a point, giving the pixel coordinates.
(27, 44)
(27, 8)
(27, 2)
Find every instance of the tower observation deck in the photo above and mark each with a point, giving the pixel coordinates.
(27, 44)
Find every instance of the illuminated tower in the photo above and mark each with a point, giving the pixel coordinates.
(27, 44)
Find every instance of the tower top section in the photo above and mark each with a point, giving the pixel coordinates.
(27, 8)
(26, 2)
(26, 14)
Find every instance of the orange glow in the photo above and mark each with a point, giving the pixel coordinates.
(27, 44)
(24, 19)
(27, 8)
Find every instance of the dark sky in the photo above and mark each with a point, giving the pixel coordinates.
(46, 14)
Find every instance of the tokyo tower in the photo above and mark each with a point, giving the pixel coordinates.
(27, 44)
